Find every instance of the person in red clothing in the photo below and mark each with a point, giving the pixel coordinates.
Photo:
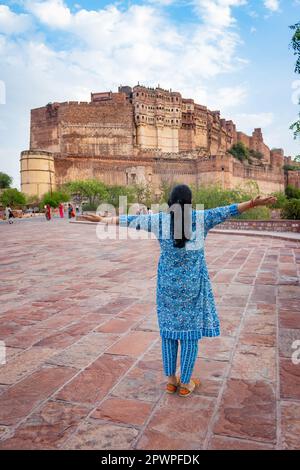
(48, 212)
(61, 210)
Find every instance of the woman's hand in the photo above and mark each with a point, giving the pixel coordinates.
(92, 217)
(257, 201)
(99, 218)
(264, 201)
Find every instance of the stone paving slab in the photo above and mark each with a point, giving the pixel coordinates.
(83, 371)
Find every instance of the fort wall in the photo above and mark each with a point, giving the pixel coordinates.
(145, 135)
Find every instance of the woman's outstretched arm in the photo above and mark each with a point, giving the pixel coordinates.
(148, 222)
(213, 217)
(257, 201)
(98, 218)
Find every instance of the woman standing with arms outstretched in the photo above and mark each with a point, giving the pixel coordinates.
(185, 303)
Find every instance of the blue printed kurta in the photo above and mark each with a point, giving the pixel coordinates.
(184, 297)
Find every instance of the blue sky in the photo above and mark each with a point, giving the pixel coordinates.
(231, 55)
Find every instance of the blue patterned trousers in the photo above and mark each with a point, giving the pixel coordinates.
(188, 356)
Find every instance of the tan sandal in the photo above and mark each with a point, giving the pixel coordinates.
(172, 388)
(185, 392)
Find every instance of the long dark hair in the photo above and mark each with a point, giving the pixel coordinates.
(180, 200)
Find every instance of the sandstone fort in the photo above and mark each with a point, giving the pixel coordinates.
(145, 136)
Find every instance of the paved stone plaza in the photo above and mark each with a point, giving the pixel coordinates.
(83, 352)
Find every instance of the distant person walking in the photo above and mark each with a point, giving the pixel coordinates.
(48, 212)
(9, 215)
(71, 212)
(61, 210)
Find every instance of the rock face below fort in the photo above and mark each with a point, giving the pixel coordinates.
(141, 135)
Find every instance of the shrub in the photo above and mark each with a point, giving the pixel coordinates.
(281, 200)
(54, 198)
(256, 154)
(292, 192)
(89, 207)
(258, 213)
(291, 209)
(240, 151)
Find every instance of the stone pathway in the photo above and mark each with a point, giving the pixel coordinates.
(83, 352)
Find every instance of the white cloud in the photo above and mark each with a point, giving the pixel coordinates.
(103, 48)
(53, 13)
(272, 5)
(163, 2)
(247, 121)
(141, 42)
(222, 99)
(229, 97)
(217, 13)
(12, 23)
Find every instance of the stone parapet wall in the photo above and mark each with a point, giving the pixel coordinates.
(263, 225)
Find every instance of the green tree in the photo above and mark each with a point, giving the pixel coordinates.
(288, 167)
(295, 43)
(12, 197)
(115, 191)
(166, 187)
(54, 198)
(5, 180)
(33, 199)
(143, 194)
(93, 189)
